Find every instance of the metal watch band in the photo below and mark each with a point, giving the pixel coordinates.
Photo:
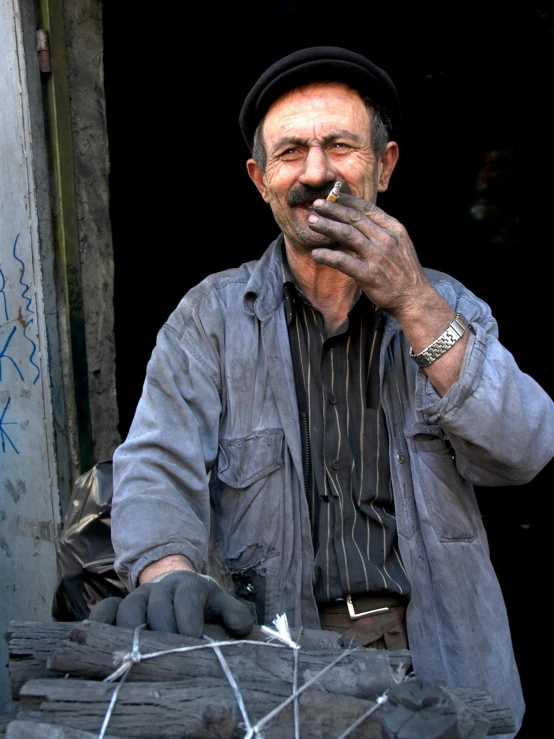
(453, 333)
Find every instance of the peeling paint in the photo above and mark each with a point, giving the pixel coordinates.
(40, 530)
(20, 317)
(17, 490)
(4, 546)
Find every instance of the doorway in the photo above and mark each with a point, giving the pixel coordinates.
(473, 186)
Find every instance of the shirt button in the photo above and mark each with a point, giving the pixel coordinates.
(336, 464)
(332, 398)
(400, 458)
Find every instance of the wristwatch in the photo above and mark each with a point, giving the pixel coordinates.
(453, 333)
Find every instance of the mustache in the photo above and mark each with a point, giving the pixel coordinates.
(305, 195)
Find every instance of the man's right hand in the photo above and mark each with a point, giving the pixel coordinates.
(181, 603)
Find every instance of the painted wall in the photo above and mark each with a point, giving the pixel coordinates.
(29, 485)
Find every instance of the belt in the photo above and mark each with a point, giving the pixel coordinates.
(359, 606)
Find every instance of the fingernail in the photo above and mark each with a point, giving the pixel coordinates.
(313, 219)
(319, 202)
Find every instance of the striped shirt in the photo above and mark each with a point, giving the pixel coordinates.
(345, 445)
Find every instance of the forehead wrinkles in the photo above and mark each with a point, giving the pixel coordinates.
(315, 111)
(297, 127)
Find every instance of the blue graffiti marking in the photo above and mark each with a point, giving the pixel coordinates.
(4, 434)
(29, 300)
(3, 355)
(2, 286)
(32, 354)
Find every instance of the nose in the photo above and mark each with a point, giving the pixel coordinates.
(317, 169)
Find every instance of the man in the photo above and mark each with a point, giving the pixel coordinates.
(316, 420)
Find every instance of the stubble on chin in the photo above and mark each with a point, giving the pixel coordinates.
(306, 240)
(293, 222)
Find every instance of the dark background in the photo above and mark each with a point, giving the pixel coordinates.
(473, 187)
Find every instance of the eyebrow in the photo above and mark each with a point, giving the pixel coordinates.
(327, 139)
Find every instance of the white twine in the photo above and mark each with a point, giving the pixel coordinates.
(380, 701)
(232, 682)
(133, 658)
(296, 705)
(281, 633)
(271, 715)
(124, 657)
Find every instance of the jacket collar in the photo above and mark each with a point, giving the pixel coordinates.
(264, 290)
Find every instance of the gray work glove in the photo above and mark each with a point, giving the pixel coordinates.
(181, 602)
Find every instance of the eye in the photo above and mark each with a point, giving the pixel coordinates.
(290, 154)
(339, 147)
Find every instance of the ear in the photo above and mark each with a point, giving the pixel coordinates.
(257, 177)
(387, 164)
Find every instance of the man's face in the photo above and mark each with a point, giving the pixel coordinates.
(313, 136)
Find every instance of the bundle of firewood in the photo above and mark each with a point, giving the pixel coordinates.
(84, 680)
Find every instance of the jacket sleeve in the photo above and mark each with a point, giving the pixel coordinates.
(161, 500)
(499, 420)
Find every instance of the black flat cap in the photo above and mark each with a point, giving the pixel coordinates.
(329, 63)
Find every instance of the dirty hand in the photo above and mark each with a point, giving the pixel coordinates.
(182, 602)
(374, 249)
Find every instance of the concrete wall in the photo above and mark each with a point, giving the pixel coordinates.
(29, 464)
(39, 450)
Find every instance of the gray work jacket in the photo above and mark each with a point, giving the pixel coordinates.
(216, 437)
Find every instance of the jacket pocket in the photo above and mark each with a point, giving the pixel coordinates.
(449, 499)
(246, 460)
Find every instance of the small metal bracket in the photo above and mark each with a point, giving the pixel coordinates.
(354, 616)
(43, 48)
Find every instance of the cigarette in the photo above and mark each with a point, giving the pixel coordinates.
(333, 195)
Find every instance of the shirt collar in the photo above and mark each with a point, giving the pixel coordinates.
(292, 291)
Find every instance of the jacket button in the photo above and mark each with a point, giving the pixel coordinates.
(400, 458)
(332, 398)
(336, 464)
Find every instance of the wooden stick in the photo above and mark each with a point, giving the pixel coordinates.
(195, 707)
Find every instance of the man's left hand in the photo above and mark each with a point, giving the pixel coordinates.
(374, 249)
